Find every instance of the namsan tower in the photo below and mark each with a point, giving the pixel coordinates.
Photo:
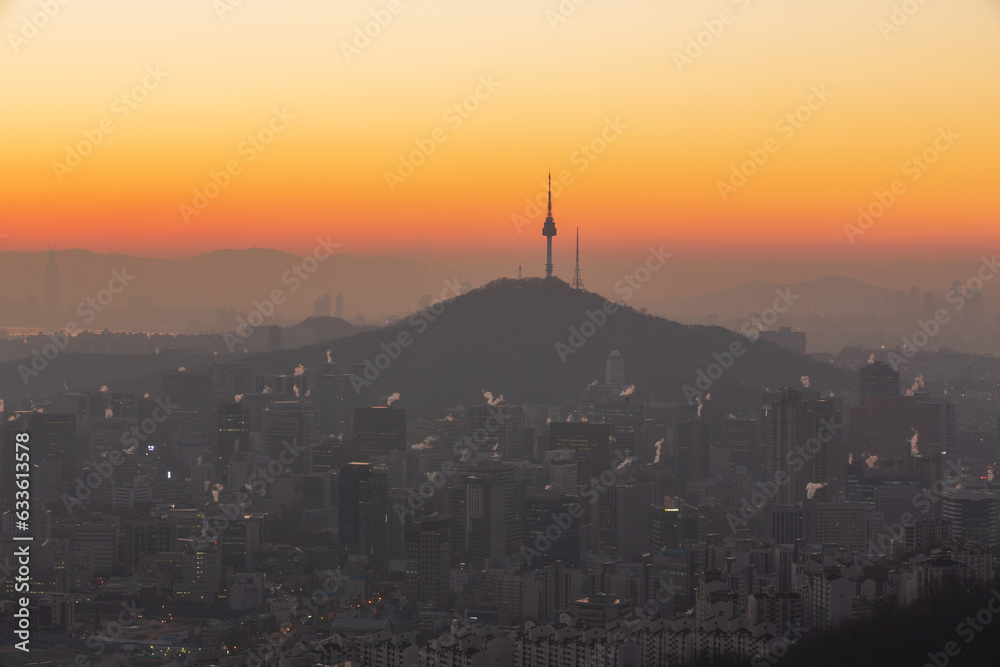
(548, 231)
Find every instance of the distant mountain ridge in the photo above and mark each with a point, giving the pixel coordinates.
(832, 294)
(503, 337)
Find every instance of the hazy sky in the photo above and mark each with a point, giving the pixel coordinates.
(677, 127)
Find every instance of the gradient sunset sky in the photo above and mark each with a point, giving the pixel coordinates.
(559, 84)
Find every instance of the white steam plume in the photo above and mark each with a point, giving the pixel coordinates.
(628, 391)
(812, 488)
(392, 398)
(626, 463)
(918, 384)
(914, 450)
(108, 413)
(805, 381)
(426, 443)
(299, 370)
(659, 450)
(329, 356)
(491, 400)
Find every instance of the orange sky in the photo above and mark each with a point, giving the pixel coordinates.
(557, 85)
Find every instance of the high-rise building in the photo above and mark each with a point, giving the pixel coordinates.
(623, 520)
(742, 438)
(231, 433)
(878, 380)
(53, 438)
(496, 429)
(428, 559)
(972, 515)
(942, 432)
(289, 427)
(843, 524)
(629, 422)
(589, 442)
(379, 431)
(885, 427)
(363, 511)
(493, 507)
(230, 380)
(338, 310)
(803, 436)
(551, 514)
(333, 397)
(614, 372)
(201, 574)
(691, 452)
(191, 393)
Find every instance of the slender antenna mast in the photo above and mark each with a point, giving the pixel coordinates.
(577, 280)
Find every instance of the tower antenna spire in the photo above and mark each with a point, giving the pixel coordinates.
(550, 193)
(577, 280)
(548, 231)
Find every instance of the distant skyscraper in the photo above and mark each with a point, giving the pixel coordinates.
(231, 433)
(428, 559)
(191, 392)
(577, 280)
(291, 432)
(494, 502)
(496, 429)
(379, 431)
(51, 282)
(590, 443)
(338, 310)
(629, 422)
(878, 380)
(363, 510)
(804, 440)
(538, 518)
(548, 231)
(972, 515)
(321, 306)
(623, 519)
(614, 371)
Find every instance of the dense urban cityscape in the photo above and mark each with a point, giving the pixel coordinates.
(507, 333)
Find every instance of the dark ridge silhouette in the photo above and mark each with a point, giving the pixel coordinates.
(905, 636)
(503, 337)
(332, 328)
